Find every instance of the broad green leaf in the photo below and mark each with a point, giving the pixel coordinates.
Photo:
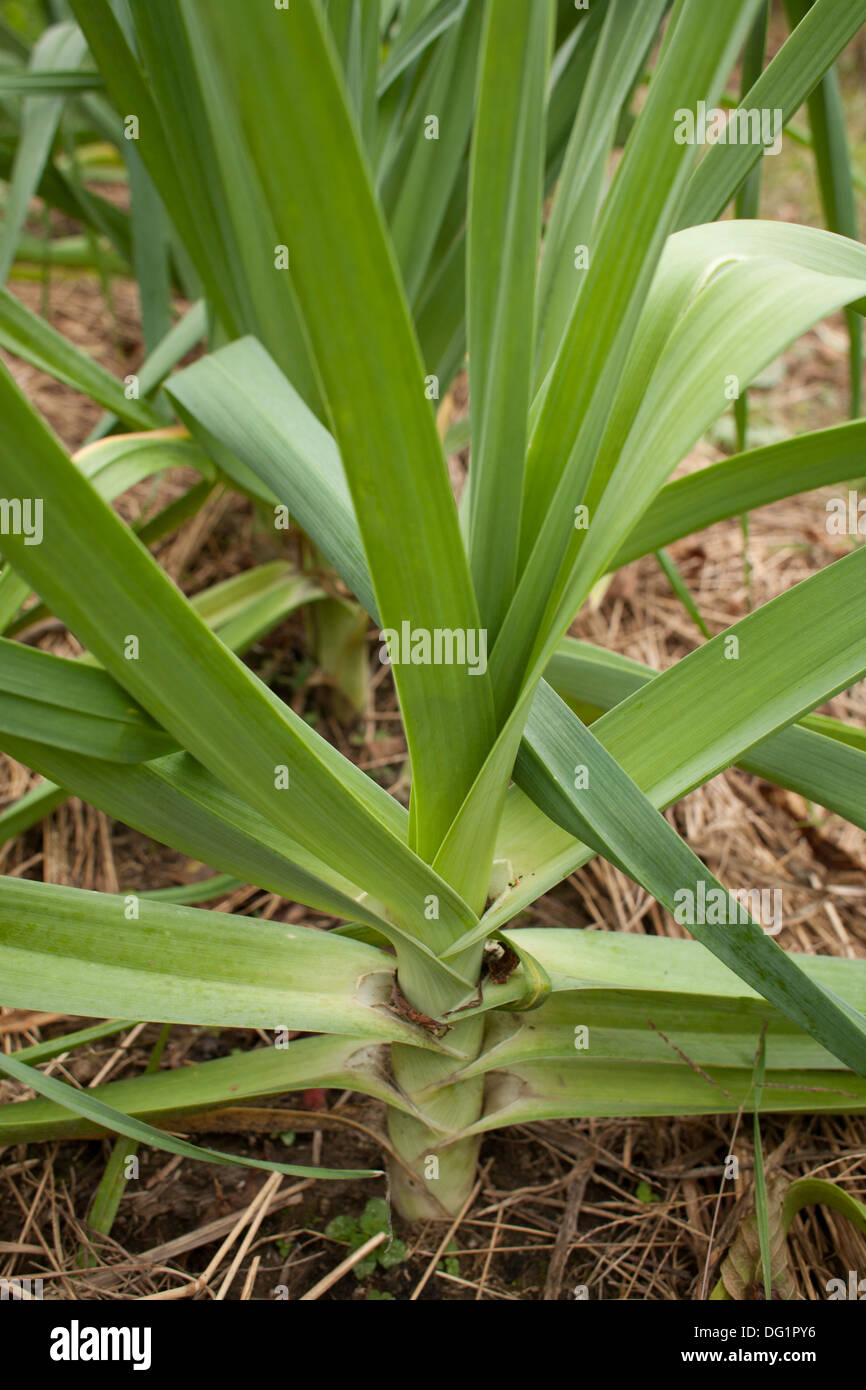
(73, 707)
(623, 42)
(88, 953)
(28, 336)
(784, 85)
(344, 274)
(609, 812)
(195, 689)
(29, 82)
(703, 714)
(178, 803)
(641, 1025)
(252, 421)
(84, 1103)
(418, 178)
(744, 483)
(630, 237)
(553, 1090)
(800, 756)
(746, 312)
(576, 398)
(502, 252)
(61, 47)
(835, 181)
(346, 1063)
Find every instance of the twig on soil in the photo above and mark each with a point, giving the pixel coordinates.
(448, 1236)
(343, 1267)
(257, 1205)
(565, 1234)
(493, 1239)
(249, 1282)
(269, 1190)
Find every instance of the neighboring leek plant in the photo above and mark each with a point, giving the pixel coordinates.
(349, 253)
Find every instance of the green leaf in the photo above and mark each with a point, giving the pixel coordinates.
(169, 1096)
(668, 746)
(575, 401)
(619, 1003)
(266, 440)
(784, 84)
(33, 806)
(626, 35)
(112, 1185)
(800, 757)
(421, 180)
(151, 251)
(84, 953)
(835, 181)
(631, 233)
(761, 1204)
(68, 1042)
(316, 179)
(28, 336)
(414, 38)
(198, 691)
(682, 591)
(356, 29)
(75, 200)
(60, 47)
(341, 1228)
(180, 804)
(29, 82)
(84, 1103)
(745, 312)
(502, 251)
(745, 482)
(178, 174)
(74, 707)
(612, 814)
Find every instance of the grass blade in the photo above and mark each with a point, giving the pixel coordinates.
(85, 1103)
(502, 251)
(317, 181)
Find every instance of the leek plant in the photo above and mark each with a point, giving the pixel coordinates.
(357, 193)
